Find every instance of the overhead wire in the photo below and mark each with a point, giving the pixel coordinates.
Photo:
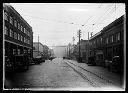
(101, 17)
(113, 10)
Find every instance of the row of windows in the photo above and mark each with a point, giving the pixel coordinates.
(107, 40)
(16, 36)
(19, 51)
(16, 24)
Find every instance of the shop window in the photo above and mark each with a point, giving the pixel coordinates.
(18, 51)
(14, 51)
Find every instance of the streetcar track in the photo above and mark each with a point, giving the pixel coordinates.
(84, 77)
(89, 72)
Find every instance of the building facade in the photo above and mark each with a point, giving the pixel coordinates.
(18, 34)
(38, 49)
(108, 43)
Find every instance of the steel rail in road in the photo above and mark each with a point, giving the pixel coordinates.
(99, 76)
(84, 76)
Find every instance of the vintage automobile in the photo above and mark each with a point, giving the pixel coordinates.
(91, 61)
(38, 59)
(116, 65)
(21, 62)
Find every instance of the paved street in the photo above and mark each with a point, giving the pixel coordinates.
(57, 74)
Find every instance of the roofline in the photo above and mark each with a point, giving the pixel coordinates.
(13, 9)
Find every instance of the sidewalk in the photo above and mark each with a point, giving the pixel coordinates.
(101, 71)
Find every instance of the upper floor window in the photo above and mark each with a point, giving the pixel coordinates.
(11, 20)
(112, 38)
(11, 33)
(21, 28)
(28, 33)
(21, 38)
(107, 40)
(18, 25)
(24, 30)
(24, 39)
(101, 39)
(118, 36)
(18, 36)
(15, 35)
(15, 23)
(5, 16)
(6, 30)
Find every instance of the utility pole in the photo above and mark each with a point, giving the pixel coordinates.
(38, 44)
(79, 36)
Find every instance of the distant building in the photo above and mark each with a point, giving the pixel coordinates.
(18, 34)
(38, 49)
(83, 50)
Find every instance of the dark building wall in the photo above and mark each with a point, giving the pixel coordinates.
(110, 41)
(20, 39)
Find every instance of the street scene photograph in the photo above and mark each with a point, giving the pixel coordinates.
(64, 46)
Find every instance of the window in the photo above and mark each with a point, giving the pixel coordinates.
(118, 36)
(112, 38)
(5, 16)
(15, 35)
(28, 41)
(14, 51)
(19, 26)
(11, 33)
(11, 20)
(24, 30)
(101, 39)
(21, 38)
(15, 23)
(24, 39)
(18, 36)
(28, 33)
(107, 40)
(6, 30)
(18, 51)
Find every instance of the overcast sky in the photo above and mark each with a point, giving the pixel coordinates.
(57, 23)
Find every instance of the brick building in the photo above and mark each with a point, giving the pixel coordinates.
(18, 35)
(108, 43)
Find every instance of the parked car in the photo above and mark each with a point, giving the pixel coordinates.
(21, 62)
(91, 61)
(38, 59)
(116, 65)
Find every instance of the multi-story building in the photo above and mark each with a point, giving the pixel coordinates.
(38, 49)
(83, 50)
(108, 43)
(18, 34)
